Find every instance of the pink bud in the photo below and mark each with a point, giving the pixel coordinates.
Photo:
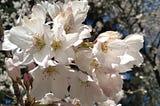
(27, 80)
(13, 71)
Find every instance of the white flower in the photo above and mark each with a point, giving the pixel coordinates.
(86, 61)
(61, 45)
(109, 81)
(79, 9)
(132, 55)
(78, 31)
(108, 48)
(51, 79)
(84, 88)
(70, 21)
(33, 36)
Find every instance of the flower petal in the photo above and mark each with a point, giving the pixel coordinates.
(6, 44)
(41, 57)
(80, 9)
(35, 25)
(19, 36)
(39, 11)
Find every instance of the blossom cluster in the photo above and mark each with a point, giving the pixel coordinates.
(63, 63)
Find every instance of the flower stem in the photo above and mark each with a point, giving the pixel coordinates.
(17, 93)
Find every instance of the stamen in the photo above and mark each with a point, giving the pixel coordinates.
(94, 63)
(50, 69)
(104, 47)
(39, 42)
(56, 44)
(62, 14)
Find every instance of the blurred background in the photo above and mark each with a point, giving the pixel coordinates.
(142, 85)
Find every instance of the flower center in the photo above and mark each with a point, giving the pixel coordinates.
(94, 63)
(50, 69)
(56, 45)
(104, 47)
(62, 14)
(39, 42)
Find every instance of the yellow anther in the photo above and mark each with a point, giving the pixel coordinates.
(62, 14)
(39, 41)
(56, 44)
(50, 70)
(94, 63)
(104, 47)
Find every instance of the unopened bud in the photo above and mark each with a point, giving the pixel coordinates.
(27, 80)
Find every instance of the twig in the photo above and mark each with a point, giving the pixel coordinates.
(18, 93)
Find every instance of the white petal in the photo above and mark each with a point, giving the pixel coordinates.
(118, 47)
(134, 37)
(7, 45)
(41, 84)
(41, 57)
(35, 25)
(89, 91)
(110, 83)
(71, 39)
(134, 42)
(83, 60)
(19, 36)
(80, 9)
(63, 56)
(53, 10)
(38, 11)
(60, 82)
(126, 58)
(21, 57)
(85, 32)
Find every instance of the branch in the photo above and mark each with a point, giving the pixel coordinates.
(18, 93)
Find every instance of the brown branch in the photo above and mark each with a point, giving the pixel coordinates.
(18, 93)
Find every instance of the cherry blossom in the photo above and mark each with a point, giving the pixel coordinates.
(51, 79)
(62, 64)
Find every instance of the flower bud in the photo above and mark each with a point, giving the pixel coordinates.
(27, 80)
(13, 71)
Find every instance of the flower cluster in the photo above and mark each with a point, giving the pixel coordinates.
(63, 63)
